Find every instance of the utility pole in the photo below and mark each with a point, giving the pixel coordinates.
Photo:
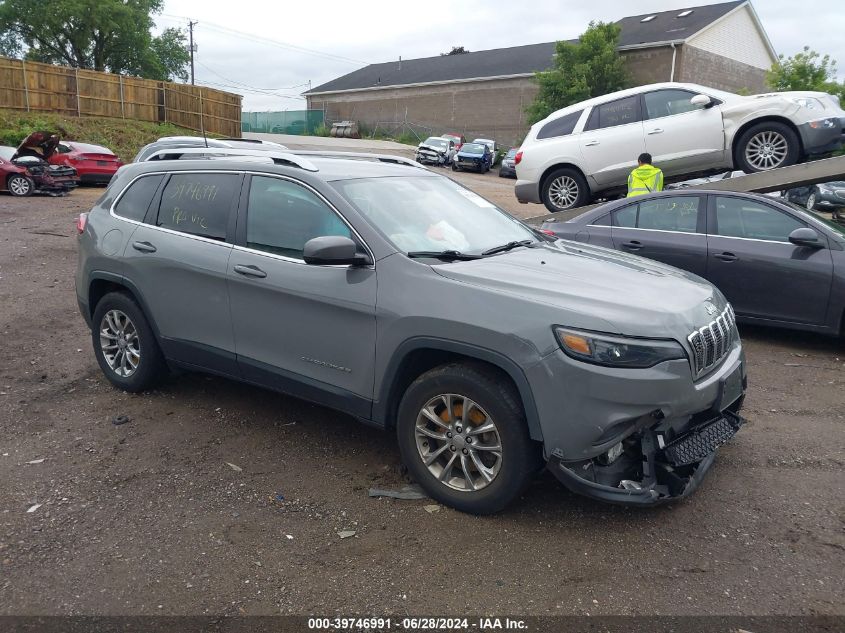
(192, 47)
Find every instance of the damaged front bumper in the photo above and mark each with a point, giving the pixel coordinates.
(655, 465)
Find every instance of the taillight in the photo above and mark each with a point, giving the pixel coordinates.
(81, 221)
(517, 158)
(547, 232)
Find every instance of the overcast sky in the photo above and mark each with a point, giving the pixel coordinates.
(268, 50)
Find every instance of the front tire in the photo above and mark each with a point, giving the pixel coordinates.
(564, 189)
(463, 437)
(767, 145)
(125, 345)
(20, 186)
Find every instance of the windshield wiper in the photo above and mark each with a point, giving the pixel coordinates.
(507, 247)
(447, 255)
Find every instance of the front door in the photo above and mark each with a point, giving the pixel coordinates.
(669, 229)
(682, 138)
(302, 329)
(177, 260)
(751, 260)
(611, 142)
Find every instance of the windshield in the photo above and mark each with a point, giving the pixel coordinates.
(436, 142)
(6, 153)
(421, 213)
(812, 217)
(472, 148)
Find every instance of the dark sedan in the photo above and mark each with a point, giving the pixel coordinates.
(825, 196)
(776, 263)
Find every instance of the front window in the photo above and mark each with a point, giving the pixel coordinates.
(441, 143)
(424, 213)
(472, 148)
(661, 103)
(741, 217)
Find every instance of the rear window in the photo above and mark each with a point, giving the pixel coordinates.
(135, 201)
(560, 127)
(198, 204)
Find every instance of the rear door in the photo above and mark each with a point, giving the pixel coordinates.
(177, 260)
(682, 138)
(303, 329)
(612, 140)
(751, 260)
(669, 229)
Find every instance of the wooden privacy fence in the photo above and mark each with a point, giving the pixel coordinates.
(40, 87)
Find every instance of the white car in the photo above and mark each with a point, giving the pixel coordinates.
(589, 148)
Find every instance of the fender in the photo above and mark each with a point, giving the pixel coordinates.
(120, 280)
(382, 406)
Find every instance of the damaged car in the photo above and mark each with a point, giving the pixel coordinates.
(474, 156)
(396, 295)
(436, 150)
(586, 151)
(26, 170)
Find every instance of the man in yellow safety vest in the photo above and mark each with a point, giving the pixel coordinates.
(645, 178)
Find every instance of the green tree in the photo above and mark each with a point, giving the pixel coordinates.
(589, 68)
(806, 70)
(110, 35)
(456, 50)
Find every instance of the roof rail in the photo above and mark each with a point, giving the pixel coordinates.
(200, 153)
(382, 158)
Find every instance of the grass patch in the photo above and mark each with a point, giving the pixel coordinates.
(123, 136)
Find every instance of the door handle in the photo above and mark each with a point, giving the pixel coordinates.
(250, 271)
(657, 130)
(591, 143)
(633, 245)
(144, 247)
(726, 257)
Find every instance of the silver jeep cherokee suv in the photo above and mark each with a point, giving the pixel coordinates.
(394, 294)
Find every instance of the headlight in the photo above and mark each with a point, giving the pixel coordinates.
(809, 102)
(617, 351)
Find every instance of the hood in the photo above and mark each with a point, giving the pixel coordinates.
(603, 288)
(431, 148)
(38, 144)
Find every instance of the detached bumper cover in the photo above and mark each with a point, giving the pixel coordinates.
(669, 472)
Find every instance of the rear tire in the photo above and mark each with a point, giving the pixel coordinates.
(125, 345)
(565, 188)
(765, 146)
(477, 480)
(20, 186)
(811, 201)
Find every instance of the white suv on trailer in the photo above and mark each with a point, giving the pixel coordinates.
(587, 149)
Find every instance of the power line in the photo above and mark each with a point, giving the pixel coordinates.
(241, 89)
(240, 83)
(252, 37)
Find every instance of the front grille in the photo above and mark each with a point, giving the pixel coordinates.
(711, 343)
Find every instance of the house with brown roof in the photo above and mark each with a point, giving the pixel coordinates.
(485, 93)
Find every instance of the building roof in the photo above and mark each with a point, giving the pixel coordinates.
(665, 27)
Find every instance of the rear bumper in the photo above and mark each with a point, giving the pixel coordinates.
(510, 172)
(527, 191)
(93, 178)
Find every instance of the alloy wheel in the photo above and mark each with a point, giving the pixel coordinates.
(766, 150)
(458, 442)
(811, 202)
(19, 185)
(563, 192)
(119, 343)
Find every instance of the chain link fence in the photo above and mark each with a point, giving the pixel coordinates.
(305, 122)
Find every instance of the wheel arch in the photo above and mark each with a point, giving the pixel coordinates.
(102, 282)
(769, 118)
(418, 355)
(547, 172)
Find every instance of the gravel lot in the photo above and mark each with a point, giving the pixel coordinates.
(219, 498)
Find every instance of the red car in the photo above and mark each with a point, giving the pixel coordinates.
(93, 163)
(459, 139)
(25, 170)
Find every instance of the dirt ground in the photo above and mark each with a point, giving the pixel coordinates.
(219, 498)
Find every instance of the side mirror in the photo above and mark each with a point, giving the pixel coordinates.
(701, 100)
(333, 250)
(806, 236)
